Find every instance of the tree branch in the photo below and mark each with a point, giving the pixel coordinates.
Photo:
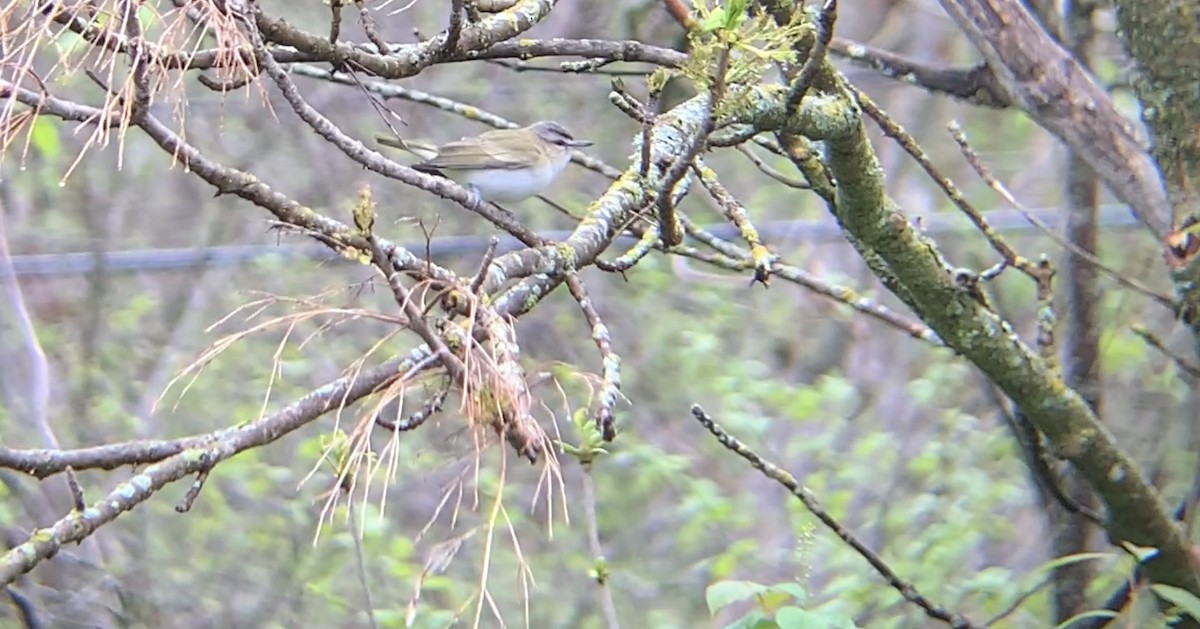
(45, 543)
(1047, 82)
(877, 228)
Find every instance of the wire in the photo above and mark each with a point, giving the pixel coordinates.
(776, 233)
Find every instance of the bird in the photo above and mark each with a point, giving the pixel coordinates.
(504, 165)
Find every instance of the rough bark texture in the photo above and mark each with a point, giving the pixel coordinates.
(1055, 90)
(1081, 369)
(1050, 85)
(1081, 341)
(1163, 39)
(1134, 511)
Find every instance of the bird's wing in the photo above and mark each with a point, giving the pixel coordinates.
(480, 154)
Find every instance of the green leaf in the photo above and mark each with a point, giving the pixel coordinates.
(1095, 613)
(735, 14)
(1067, 560)
(791, 588)
(753, 620)
(1179, 597)
(773, 600)
(713, 21)
(796, 618)
(44, 137)
(725, 593)
(780, 594)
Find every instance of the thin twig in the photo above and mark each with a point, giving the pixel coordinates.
(1182, 363)
(771, 172)
(627, 260)
(976, 85)
(1020, 600)
(668, 222)
(378, 163)
(77, 500)
(416, 318)
(370, 27)
(816, 56)
(893, 130)
(489, 254)
(205, 454)
(773, 472)
(649, 117)
(1030, 443)
(607, 607)
(360, 562)
(431, 407)
(477, 114)
(193, 492)
(26, 607)
(335, 20)
(736, 213)
(587, 66)
(454, 30)
(977, 164)
(841, 294)
(610, 362)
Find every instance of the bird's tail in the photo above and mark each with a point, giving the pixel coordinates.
(423, 150)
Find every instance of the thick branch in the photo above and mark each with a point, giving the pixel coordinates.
(976, 85)
(491, 39)
(45, 543)
(1081, 343)
(1049, 84)
(404, 61)
(1160, 35)
(878, 228)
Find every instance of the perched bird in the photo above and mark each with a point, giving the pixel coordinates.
(502, 165)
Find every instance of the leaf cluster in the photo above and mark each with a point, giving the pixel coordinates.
(775, 606)
(755, 44)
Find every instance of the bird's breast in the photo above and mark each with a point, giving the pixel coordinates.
(513, 185)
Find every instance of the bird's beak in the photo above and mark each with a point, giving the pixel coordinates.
(579, 143)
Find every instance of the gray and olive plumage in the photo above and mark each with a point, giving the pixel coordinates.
(506, 164)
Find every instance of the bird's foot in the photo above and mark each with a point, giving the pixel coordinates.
(476, 198)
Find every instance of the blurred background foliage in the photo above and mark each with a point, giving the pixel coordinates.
(901, 441)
